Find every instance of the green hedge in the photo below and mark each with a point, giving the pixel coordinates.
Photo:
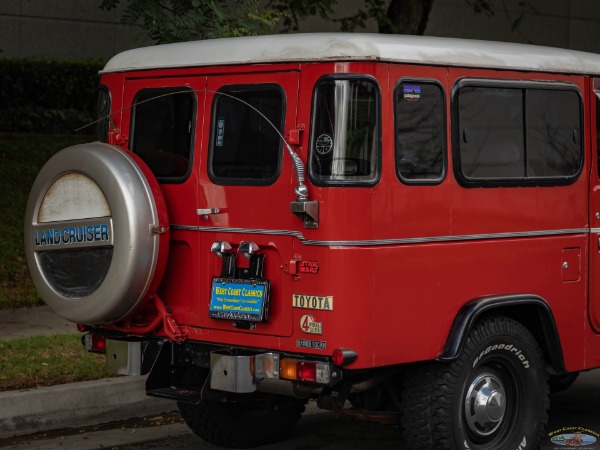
(47, 96)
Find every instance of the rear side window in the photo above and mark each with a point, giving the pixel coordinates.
(345, 137)
(518, 134)
(553, 133)
(163, 129)
(420, 132)
(598, 130)
(102, 115)
(245, 145)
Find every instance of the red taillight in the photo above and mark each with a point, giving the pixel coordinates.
(308, 371)
(95, 343)
(82, 328)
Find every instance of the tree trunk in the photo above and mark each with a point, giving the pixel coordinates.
(406, 17)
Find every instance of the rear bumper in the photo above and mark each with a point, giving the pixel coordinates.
(219, 370)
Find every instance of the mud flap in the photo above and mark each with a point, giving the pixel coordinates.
(165, 380)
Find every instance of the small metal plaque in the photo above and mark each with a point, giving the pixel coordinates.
(309, 343)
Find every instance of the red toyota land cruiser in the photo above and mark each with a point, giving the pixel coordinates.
(403, 226)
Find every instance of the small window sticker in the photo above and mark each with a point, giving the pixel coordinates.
(309, 325)
(324, 144)
(220, 131)
(412, 93)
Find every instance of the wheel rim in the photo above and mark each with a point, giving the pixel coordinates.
(485, 404)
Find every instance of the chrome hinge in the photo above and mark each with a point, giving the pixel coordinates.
(158, 229)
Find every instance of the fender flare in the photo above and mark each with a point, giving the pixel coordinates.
(471, 311)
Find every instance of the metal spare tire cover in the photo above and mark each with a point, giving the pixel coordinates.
(96, 233)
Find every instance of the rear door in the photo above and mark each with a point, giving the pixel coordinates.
(245, 188)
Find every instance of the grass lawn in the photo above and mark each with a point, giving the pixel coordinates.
(21, 157)
(47, 360)
(40, 360)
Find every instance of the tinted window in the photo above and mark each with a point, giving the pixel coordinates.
(553, 133)
(491, 132)
(102, 115)
(163, 125)
(598, 131)
(246, 146)
(345, 132)
(518, 133)
(420, 142)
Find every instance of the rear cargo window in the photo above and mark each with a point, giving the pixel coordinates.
(345, 137)
(598, 131)
(163, 127)
(517, 134)
(102, 115)
(245, 145)
(420, 136)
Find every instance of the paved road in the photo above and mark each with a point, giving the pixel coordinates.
(577, 407)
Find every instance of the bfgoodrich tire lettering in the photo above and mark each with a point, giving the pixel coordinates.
(494, 396)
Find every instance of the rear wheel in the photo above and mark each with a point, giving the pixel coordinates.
(494, 396)
(243, 424)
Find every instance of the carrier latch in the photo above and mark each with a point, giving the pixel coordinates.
(307, 211)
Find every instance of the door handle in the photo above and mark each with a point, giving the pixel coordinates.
(207, 211)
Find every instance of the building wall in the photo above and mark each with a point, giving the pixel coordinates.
(573, 24)
(62, 29)
(79, 29)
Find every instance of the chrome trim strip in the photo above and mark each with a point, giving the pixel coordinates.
(378, 242)
(594, 230)
(239, 230)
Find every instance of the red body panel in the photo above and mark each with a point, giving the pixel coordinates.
(393, 302)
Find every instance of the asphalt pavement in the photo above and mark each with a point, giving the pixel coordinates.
(72, 405)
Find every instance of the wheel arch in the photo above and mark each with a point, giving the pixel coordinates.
(530, 310)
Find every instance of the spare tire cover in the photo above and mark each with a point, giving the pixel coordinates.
(96, 233)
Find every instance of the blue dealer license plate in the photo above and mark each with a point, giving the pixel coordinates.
(239, 299)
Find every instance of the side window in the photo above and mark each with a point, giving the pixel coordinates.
(345, 137)
(519, 134)
(553, 133)
(102, 115)
(163, 130)
(598, 130)
(420, 132)
(491, 139)
(245, 145)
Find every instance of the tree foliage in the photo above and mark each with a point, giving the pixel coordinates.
(164, 21)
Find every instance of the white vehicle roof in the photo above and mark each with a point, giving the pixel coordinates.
(314, 47)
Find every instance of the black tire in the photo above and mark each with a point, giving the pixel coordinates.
(501, 364)
(243, 424)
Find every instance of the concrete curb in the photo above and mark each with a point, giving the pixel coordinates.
(76, 405)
